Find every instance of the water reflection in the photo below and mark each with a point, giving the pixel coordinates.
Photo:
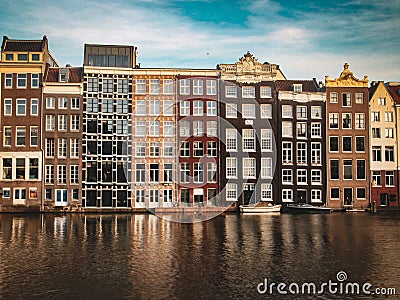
(145, 257)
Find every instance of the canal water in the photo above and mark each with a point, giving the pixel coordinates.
(228, 257)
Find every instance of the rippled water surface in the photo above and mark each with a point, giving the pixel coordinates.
(144, 257)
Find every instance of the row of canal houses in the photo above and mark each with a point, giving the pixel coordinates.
(114, 135)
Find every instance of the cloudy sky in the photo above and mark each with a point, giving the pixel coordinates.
(306, 38)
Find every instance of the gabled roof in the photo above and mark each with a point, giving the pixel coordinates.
(372, 90)
(394, 91)
(287, 85)
(24, 45)
(75, 75)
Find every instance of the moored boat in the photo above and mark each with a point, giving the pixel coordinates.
(260, 209)
(308, 209)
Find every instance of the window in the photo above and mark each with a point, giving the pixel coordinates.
(211, 128)
(389, 133)
(248, 111)
(316, 177)
(154, 149)
(231, 167)
(168, 87)
(123, 86)
(21, 107)
(154, 108)
(287, 176)
(140, 149)
(62, 103)
(301, 176)
(375, 116)
(333, 121)
(21, 136)
(140, 173)
(123, 107)
(185, 149)
(231, 192)
(154, 196)
(198, 172)
(249, 167)
(197, 87)
(248, 92)
(122, 127)
(359, 121)
(140, 108)
(140, 86)
(62, 147)
(316, 196)
(34, 107)
(359, 98)
(249, 142)
(230, 91)
(389, 178)
(50, 147)
(184, 108)
(184, 87)
(376, 153)
(360, 144)
(266, 140)
(334, 166)
(334, 97)
(7, 107)
(8, 81)
(198, 108)
(265, 92)
(287, 195)
(168, 149)
(74, 148)
(211, 108)
(62, 174)
(34, 80)
(93, 105)
(287, 111)
(388, 116)
(231, 110)
(140, 128)
(287, 153)
(302, 153)
(346, 97)
(184, 172)
(361, 193)
(266, 192)
(347, 144)
(382, 101)
(7, 136)
(316, 112)
(297, 88)
(389, 153)
(301, 112)
(9, 56)
(168, 108)
(62, 122)
(198, 128)
(266, 167)
(347, 169)
(19, 194)
(301, 130)
(212, 149)
(361, 169)
(167, 173)
(335, 192)
(287, 130)
(346, 118)
(198, 149)
(75, 122)
(154, 87)
(316, 130)
(231, 139)
(22, 56)
(266, 111)
(140, 196)
(184, 128)
(108, 85)
(49, 174)
(316, 153)
(7, 168)
(168, 128)
(376, 133)
(211, 87)
(74, 174)
(376, 178)
(107, 106)
(21, 81)
(34, 140)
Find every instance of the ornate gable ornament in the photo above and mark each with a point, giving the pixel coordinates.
(346, 79)
(249, 70)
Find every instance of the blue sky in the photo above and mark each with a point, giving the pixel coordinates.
(306, 38)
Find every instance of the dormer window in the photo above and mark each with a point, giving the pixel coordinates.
(63, 75)
(22, 56)
(9, 56)
(35, 57)
(297, 88)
